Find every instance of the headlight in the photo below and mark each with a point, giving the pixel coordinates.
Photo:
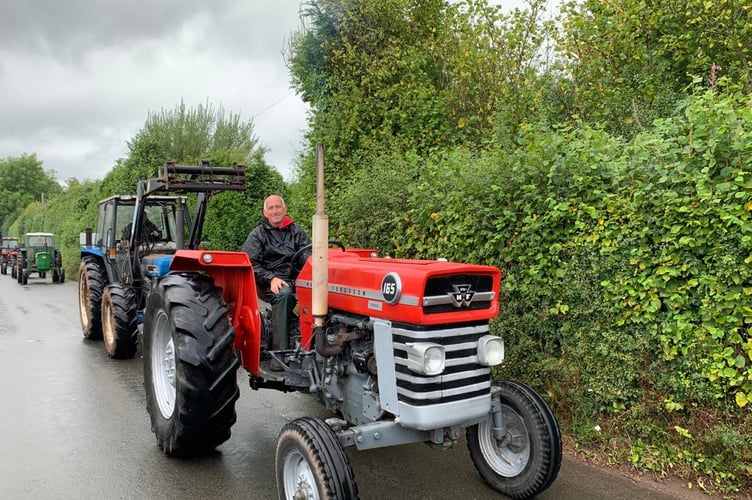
(425, 358)
(490, 350)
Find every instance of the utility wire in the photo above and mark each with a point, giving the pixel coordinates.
(272, 105)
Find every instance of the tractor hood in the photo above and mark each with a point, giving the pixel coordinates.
(426, 292)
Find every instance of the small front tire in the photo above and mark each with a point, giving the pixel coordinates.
(311, 464)
(527, 459)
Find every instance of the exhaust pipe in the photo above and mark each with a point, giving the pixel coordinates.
(320, 255)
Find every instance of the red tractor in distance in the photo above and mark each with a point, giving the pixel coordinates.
(399, 350)
(9, 248)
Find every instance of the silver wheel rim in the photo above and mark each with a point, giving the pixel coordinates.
(163, 364)
(298, 478)
(509, 457)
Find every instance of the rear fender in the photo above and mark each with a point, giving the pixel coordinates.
(231, 271)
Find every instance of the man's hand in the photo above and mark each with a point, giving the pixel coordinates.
(276, 284)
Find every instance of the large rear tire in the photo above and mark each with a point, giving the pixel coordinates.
(119, 321)
(311, 464)
(190, 365)
(527, 459)
(92, 279)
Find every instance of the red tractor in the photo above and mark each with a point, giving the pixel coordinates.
(399, 350)
(9, 254)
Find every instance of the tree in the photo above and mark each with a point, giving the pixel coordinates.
(23, 180)
(412, 76)
(187, 135)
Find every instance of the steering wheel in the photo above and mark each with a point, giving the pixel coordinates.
(300, 251)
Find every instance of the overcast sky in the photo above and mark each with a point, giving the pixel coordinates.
(78, 77)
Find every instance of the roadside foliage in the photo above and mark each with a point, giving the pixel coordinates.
(600, 155)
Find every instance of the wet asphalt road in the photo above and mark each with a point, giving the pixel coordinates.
(73, 425)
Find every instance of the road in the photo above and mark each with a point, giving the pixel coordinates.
(73, 424)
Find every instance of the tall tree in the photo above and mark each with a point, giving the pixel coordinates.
(187, 135)
(23, 180)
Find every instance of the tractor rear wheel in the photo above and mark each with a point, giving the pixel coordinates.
(119, 321)
(190, 365)
(92, 279)
(311, 464)
(527, 458)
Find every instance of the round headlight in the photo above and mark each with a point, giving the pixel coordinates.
(207, 258)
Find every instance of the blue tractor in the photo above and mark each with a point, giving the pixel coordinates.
(135, 240)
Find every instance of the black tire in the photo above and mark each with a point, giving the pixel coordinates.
(119, 321)
(25, 277)
(4, 268)
(92, 279)
(19, 268)
(43, 274)
(55, 276)
(12, 271)
(527, 461)
(310, 463)
(62, 275)
(190, 365)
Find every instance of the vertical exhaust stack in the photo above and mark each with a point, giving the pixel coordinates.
(320, 263)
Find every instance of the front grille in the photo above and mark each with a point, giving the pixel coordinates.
(463, 377)
(439, 290)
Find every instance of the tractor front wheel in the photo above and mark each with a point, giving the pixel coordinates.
(524, 458)
(190, 365)
(119, 321)
(4, 268)
(310, 463)
(92, 279)
(25, 277)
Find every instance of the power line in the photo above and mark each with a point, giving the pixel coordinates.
(272, 105)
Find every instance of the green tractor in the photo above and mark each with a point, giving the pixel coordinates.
(39, 255)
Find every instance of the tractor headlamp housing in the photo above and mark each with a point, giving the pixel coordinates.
(490, 350)
(426, 358)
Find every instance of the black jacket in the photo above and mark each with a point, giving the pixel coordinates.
(271, 250)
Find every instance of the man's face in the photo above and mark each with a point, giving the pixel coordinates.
(275, 211)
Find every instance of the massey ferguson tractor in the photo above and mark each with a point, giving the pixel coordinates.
(399, 350)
